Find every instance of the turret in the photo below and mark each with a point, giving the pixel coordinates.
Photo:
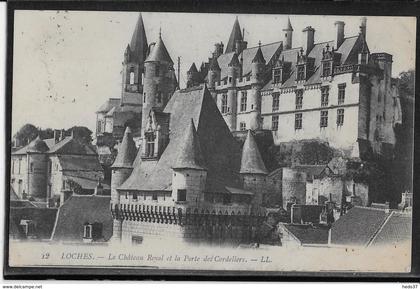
(121, 170)
(258, 65)
(134, 57)
(159, 80)
(37, 163)
(189, 170)
(253, 170)
(192, 76)
(288, 35)
(234, 68)
(213, 75)
(254, 98)
(234, 38)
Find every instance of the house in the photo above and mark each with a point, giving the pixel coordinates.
(44, 171)
(295, 235)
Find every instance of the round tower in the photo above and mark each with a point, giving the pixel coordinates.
(234, 67)
(189, 171)
(257, 78)
(121, 170)
(159, 79)
(253, 170)
(37, 168)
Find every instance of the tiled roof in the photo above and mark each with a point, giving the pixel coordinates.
(126, 152)
(193, 68)
(138, 44)
(247, 55)
(237, 191)
(396, 229)
(311, 170)
(159, 52)
(35, 146)
(86, 181)
(348, 51)
(220, 151)
(190, 156)
(235, 35)
(79, 210)
(358, 226)
(79, 163)
(42, 218)
(13, 195)
(110, 113)
(71, 145)
(110, 103)
(251, 161)
(308, 234)
(258, 58)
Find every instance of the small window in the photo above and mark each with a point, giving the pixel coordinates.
(242, 126)
(301, 72)
(340, 117)
(275, 122)
(13, 166)
(135, 196)
(243, 100)
(298, 121)
(324, 118)
(126, 195)
(181, 196)
(224, 103)
(64, 185)
(277, 75)
(154, 197)
(87, 231)
(299, 99)
(325, 91)
(136, 240)
(276, 101)
(230, 79)
(326, 68)
(132, 77)
(31, 167)
(144, 97)
(341, 93)
(157, 71)
(144, 197)
(159, 97)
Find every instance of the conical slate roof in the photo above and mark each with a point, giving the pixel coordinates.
(37, 146)
(235, 35)
(251, 162)
(193, 68)
(214, 65)
(258, 58)
(126, 152)
(289, 25)
(190, 156)
(159, 52)
(234, 61)
(138, 44)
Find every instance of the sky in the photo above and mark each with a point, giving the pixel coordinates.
(67, 63)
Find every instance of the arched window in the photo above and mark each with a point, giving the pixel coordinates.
(131, 77)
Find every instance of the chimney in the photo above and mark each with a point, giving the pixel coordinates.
(99, 190)
(308, 39)
(151, 45)
(363, 27)
(57, 135)
(339, 26)
(63, 134)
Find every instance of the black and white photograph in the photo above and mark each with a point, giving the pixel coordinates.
(211, 141)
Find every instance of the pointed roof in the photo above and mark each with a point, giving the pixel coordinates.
(193, 68)
(126, 152)
(234, 61)
(159, 52)
(190, 156)
(289, 25)
(138, 44)
(235, 35)
(258, 58)
(214, 65)
(251, 162)
(35, 146)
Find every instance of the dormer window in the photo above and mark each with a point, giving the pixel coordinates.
(300, 72)
(87, 231)
(329, 59)
(150, 145)
(277, 75)
(132, 76)
(326, 68)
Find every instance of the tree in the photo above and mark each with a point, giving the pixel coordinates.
(406, 83)
(25, 134)
(314, 153)
(82, 133)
